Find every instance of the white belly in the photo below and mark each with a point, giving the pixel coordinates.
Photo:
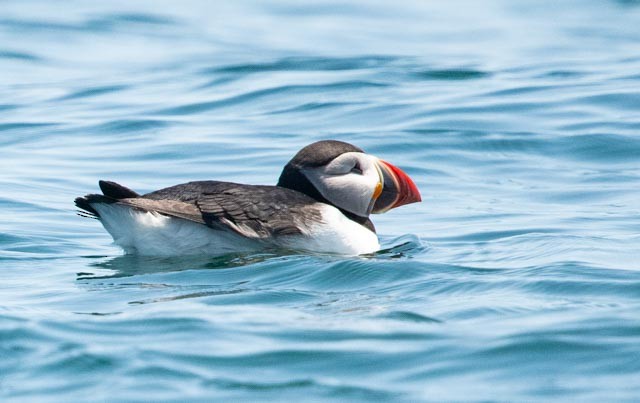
(336, 234)
(151, 233)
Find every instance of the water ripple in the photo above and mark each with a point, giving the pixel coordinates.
(451, 74)
(92, 92)
(516, 279)
(257, 96)
(306, 64)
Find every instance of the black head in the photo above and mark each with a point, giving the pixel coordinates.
(342, 175)
(321, 153)
(312, 156)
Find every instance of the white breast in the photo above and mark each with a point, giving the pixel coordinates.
(336, 234)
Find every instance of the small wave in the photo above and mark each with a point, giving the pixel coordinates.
(16, 55)
(451, 74)
(312, 107)
(410, 317)
(22, 126)
(139, 18)
(614, 100)
(258, 95)
(305, 64)
(605, 147)
(93, 92)
(130, 125)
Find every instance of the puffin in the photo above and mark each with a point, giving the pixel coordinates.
(321, 204)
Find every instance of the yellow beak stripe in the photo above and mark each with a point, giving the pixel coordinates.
(378, 191)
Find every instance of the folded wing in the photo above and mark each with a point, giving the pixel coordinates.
(256, 212)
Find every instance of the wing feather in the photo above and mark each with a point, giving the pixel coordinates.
(257, 212)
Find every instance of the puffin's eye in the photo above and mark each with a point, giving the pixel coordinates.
(344, 164)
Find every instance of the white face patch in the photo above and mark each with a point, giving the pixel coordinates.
(349, 181)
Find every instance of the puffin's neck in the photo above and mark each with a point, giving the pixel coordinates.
(292, 178)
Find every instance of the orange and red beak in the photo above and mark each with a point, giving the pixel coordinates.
(397, 189)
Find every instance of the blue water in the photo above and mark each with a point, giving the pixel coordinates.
(517, 278)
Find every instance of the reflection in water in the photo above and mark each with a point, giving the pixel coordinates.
(131, 265)
(198, 294)
(265, 275)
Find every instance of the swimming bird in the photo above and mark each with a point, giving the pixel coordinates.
(321, 203)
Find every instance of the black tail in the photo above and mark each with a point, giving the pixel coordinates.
(112, 192)
(116, 191)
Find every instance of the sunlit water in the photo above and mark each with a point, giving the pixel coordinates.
(517, 278)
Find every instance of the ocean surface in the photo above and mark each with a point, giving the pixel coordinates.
(517, 278)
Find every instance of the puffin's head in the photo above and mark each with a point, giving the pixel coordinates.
(342, 174)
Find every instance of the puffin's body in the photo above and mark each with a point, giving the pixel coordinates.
(321, 204)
